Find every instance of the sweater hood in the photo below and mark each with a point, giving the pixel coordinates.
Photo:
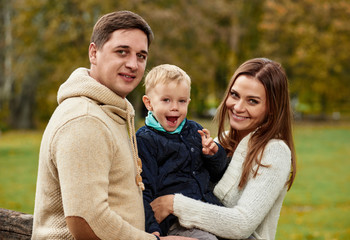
(80, 84)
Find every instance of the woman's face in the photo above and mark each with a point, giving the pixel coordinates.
(246, 105)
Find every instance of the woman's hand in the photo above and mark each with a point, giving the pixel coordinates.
(163, 207)
(209, 146)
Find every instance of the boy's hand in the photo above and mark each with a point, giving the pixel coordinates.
(209, 146)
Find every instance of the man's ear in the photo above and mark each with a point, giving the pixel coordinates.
(147, 101)
(92, 53)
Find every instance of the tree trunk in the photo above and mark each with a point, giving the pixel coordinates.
(15, 225)
(22, 105)
(7, 86)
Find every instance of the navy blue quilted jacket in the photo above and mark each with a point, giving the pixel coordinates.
(174, 163)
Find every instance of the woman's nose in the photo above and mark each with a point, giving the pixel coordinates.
(239, 106)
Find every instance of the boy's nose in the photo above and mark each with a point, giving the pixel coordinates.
(174, 106)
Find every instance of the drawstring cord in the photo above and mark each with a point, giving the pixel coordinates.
(133, 142)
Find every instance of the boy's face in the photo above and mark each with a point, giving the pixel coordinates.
(169, 103)
(121, 62)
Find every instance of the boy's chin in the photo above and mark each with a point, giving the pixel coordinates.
(171, 128)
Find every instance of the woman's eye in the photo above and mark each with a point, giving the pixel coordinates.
(234, 94)
(253, 101)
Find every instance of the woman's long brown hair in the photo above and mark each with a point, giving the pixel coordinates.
(278, 119)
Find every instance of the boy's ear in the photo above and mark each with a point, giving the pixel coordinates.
(147, 101)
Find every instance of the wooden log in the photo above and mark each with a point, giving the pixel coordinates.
(15, 225)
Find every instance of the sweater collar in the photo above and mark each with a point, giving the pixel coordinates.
(80, 84)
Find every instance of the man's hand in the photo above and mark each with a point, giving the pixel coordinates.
(209, 146)
(173, 237)
(177, 238)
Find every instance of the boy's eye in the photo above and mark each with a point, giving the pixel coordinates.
(182, 101)
(166, 100)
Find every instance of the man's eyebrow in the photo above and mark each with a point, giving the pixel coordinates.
(144, 52)
(122, 46)
(128, 47)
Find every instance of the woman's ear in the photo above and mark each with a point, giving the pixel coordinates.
(147, 101)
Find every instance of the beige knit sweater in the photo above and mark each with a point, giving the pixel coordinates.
(255, 209)
(87, 166)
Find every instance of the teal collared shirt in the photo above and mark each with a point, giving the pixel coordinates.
(151, 121)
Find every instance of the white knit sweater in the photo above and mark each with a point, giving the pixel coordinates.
(255, 209)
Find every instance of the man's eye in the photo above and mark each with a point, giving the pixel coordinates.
(121, 52)
(142, 56)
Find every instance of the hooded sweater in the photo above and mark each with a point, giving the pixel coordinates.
(88, 165)
(253, 210)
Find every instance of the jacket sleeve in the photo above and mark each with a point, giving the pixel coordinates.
(147, 153)
(216, 164)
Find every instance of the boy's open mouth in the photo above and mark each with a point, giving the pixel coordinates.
(172, 119)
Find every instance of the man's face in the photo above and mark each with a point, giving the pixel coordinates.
(121, 62)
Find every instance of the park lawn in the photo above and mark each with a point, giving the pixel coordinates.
(19, 152)
(317, 207)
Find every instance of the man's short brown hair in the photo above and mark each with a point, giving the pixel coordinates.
(111, 22)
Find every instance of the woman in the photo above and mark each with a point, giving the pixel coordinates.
(263, 164)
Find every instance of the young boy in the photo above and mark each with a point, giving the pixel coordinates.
(170, 147)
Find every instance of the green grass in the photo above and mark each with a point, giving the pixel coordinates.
(18, 169)
(317, 207)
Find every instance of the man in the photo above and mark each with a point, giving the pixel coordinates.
(89, 184)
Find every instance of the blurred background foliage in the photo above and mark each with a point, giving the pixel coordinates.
(43, 41)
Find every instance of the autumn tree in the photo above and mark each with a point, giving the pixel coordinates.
(43, 41)
(311, 38)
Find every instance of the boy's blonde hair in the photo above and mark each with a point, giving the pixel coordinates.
(165, 73)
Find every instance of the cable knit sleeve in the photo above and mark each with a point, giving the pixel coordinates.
(245, 209)
(83, 150)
